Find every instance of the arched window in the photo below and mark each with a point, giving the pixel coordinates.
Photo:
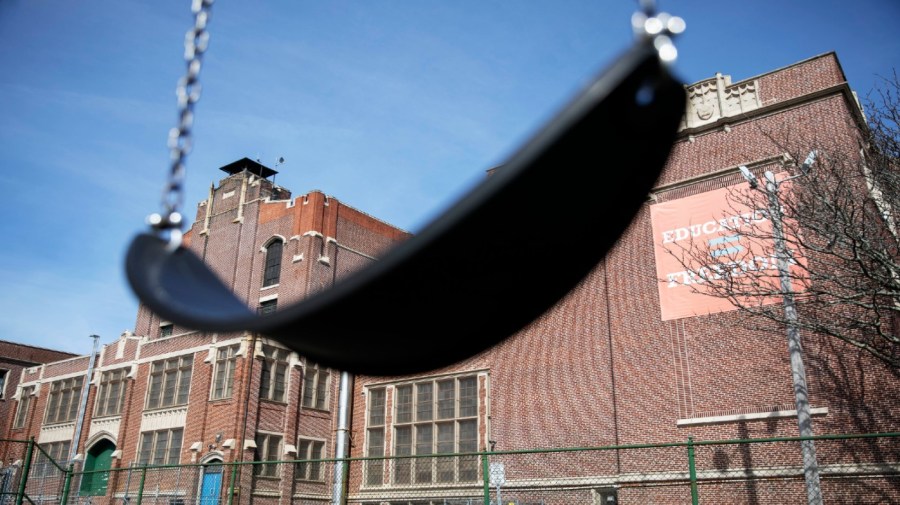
(273, 263)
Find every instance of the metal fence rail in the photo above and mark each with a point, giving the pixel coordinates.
(855, 469)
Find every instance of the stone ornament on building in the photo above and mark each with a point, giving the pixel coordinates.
(715, 98)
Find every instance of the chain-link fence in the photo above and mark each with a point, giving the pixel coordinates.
(850, 469)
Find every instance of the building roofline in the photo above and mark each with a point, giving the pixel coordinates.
(72, 354)
(832, 54)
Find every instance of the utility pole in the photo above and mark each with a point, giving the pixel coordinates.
(795, 349)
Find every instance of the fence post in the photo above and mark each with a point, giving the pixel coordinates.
(234, 467)
(26, 468)
(140, 495)
(67, 484)
(692, 470)
(485, 471)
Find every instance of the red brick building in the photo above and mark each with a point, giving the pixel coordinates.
(604, 368)
(608, 366)
(14, 359)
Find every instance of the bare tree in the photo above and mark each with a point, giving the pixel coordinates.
(840, 226)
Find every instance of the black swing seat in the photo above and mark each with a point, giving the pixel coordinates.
(496, 260)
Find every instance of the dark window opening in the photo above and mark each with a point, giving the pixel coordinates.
(273, 263)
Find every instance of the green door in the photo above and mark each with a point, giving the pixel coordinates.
(99, 459)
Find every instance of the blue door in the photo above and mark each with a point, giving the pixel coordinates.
(211, 485)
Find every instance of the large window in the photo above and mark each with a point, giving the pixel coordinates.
(273, 381)
(58, 452)
(272, 273)
(315, 387)
(375, 436)
(436, 417)
(308, 450)
(268, 447)
(24, 404)
(111, 393)
(226, 359)
(161, 447)
(170, 382)
(62, 406)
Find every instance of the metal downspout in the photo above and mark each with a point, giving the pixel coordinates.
(82, 406)
(342, 446)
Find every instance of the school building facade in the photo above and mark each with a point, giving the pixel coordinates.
(615, 363)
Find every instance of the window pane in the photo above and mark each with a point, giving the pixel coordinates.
(445, 443)
(184, 386)
(424, 447)
(322, 390)
(424, 402)
(146, 448)
(403, 447)
(445, 438)
(404, 404)
(159, 449)
(175, 447)
(112, 400)
(376, 407)
(374, 468)
(468, 397)
(446, 397)
(170, 381)
(22, 411)
(280, 381)
(52, 406)
(64, 401)
(265, 379)
(153, 398)
(273, 263)
(309, 385)
(229, 376)
(315, 467)
(302, 469)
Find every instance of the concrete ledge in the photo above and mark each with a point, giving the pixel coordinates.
(755, 416)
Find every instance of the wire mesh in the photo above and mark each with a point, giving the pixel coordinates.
(857, 469)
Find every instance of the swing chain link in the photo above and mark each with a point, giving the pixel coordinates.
(196, 41)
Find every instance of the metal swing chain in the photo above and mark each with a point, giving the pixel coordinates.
(646, 23)
(196, 40)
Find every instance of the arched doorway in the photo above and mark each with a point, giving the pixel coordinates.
(95, 478)
(211, 483)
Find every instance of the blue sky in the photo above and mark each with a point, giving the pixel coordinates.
(394, 107)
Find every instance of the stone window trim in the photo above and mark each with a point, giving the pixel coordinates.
(63, 400)
(111, 385)
(265, 444)
(224, 361)
(316, 387)
(751, 416)
(24, 395)
(58, 452)
(271, 274)
(310, 449)
(182, 365)
(160, 447)
(276, 362)
(428, 415)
